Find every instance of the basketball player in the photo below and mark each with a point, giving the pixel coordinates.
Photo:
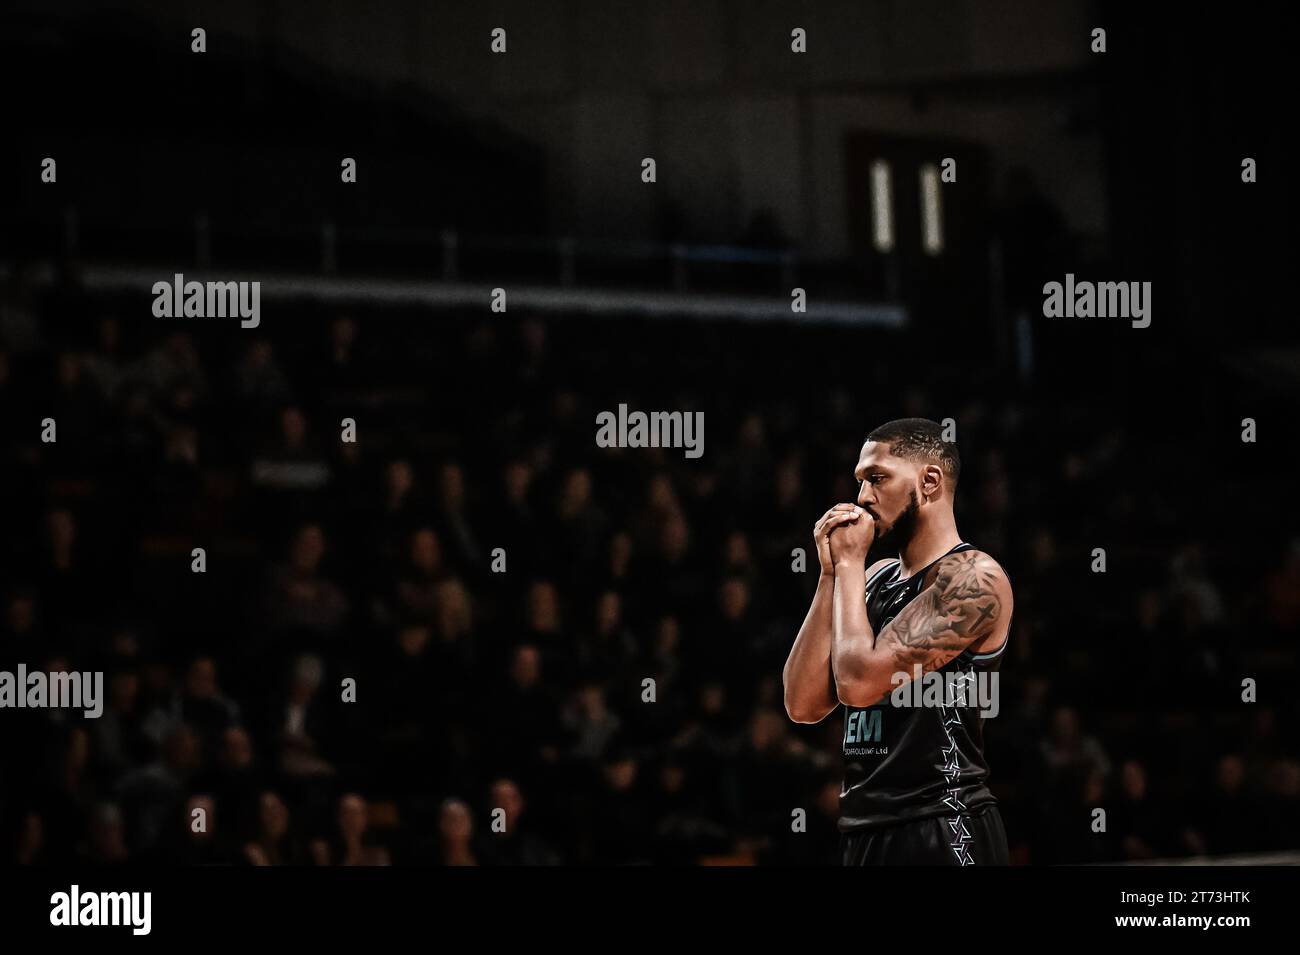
(914, 788)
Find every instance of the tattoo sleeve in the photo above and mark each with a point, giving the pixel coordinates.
(961, 606)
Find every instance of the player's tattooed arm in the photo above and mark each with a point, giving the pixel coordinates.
(966, 601)
(962, 605)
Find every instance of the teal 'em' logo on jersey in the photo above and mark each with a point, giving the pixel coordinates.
(863, 726)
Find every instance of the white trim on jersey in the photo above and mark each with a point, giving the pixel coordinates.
(990, 656)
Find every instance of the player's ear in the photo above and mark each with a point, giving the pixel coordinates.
(932, 482)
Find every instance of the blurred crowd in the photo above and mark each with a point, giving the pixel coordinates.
(472, 636)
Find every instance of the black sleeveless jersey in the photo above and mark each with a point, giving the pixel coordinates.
(915, 762)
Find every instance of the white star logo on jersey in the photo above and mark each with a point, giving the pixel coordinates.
(959, 684)
(963, 855)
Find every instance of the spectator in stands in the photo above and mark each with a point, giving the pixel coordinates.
(1228, 818)
(454, 520)
(151, 796)
(352, 843)
(106, 846)
(273, 843)
(299, 721)
(1069, 750)
(455, 834)
(1140, 824)
(516, 844)
(260, 382)
(417, 590)
(300, 597)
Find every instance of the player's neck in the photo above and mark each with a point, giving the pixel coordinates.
(927, 545)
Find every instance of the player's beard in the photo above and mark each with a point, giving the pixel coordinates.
(899, 534)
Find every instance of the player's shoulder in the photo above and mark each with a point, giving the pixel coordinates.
(976, 564)
(878, 565)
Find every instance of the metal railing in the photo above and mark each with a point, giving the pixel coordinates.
(331, 249)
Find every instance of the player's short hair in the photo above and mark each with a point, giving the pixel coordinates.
(920, 439)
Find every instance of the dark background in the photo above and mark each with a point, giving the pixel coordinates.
(522, 690)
